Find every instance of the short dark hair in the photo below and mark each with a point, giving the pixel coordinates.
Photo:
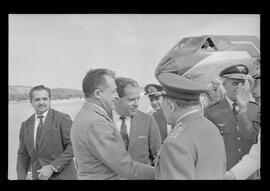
(95, 78)
(122, 82)
(182, 103)
(37, 88)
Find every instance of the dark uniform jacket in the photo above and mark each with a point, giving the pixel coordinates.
(237, 134)
(55, 147)
(162, 123)
(194, 149)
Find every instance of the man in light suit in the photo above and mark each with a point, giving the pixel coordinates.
(154, 93)
(194, 150)
(98, 147)
(45, 145)
(138, 129)
(232, 114)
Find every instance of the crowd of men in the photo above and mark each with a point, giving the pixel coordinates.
(179, 138)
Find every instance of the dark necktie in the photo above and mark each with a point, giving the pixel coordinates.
(39, 130)
(234, 109)
(123, 131)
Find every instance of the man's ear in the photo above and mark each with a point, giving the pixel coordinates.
(171, 105)
(97, 93)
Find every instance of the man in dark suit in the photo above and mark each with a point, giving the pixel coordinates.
(154, 93)
(138, 129)
(45, 145)
(233, 113)
(98, 147)
(194, 149)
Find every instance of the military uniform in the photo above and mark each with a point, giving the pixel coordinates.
(237, 141)
(154, 91)
(194, 149)
(162, 124)
(239, 131)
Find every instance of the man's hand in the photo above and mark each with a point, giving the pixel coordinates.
(29, 176)
(45, 172)
(229, 175)
(243, 96)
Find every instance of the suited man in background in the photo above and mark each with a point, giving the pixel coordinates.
(154, 93)
(232, 114)
(194, 150)
(45, 144)
(98, 147)
(138, 129)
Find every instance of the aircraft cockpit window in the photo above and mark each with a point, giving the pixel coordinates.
(180, 44)
(193, 43)
(183, 42)
(208, 45)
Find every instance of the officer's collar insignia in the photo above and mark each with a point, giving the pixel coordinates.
(176, 130)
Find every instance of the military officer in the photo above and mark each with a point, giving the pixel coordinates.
(194, 149)
(154, 93)
(235, 115)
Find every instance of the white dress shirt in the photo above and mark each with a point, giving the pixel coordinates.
(118, 121)
(231, 102)
(37, 120)
(169, 128)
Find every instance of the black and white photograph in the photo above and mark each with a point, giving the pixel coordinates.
(134, 96)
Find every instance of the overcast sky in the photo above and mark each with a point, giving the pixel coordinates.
(58, 50)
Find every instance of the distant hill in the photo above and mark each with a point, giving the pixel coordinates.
(19, 93)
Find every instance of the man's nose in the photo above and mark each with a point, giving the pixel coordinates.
(136, 102)
(41, 101)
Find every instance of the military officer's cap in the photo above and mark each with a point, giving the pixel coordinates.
(152, 90)
(257, 74)
(239, 71)
(180, 87)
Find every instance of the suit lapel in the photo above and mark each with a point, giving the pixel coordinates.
(135, 121)
(47, 126)
(31, 127)
(227, 112)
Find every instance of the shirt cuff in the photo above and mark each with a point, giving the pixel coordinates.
(54, 169)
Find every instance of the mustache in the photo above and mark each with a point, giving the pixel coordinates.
(42, 105)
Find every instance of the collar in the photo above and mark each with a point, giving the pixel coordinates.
(116, 116)
(230, 102)
(97, 106)
(44, 114)
(185, 114)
